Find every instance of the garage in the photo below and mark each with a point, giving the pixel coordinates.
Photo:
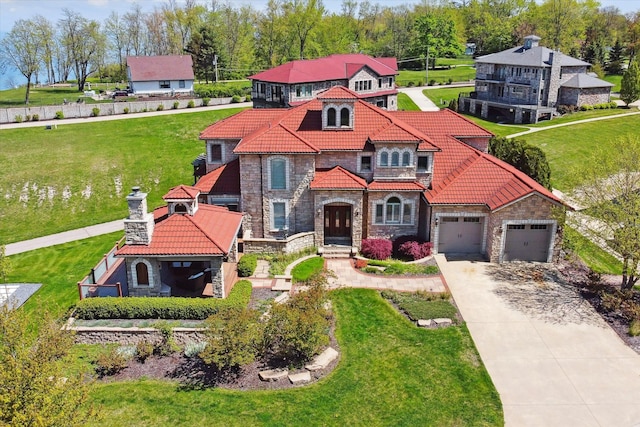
(460, 234)
(527, 242)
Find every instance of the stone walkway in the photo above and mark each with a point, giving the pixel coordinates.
(347, 276)
(260, 277)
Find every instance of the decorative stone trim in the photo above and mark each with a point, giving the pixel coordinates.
(134, 273)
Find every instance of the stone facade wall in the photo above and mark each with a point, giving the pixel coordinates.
(392, 231)
(291, 244)
(329, 197)
(251, 183)
(589, 96)
(75, 110)
(133, 336)
(530, 208)
(227, 152)
(155, 281)
(553, 80)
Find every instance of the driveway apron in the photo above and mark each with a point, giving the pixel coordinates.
(553, 360)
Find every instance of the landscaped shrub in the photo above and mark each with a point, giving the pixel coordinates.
(27, 118)
(567, 109)
(432, 82)
(126, 110)
(247, 265)
(411, 84)
(59, 115)
(361, 263)
(160, 107)
(35, 117)
(110, 363)
(168, 344)
(449, 81)
(95, 112)
(453, 105)
(205, 101)
(191, 104)
(176, 104)
(18, 118)
(127, 351)
(192, 349)
(415, 250)
(634, 328)
(376, 248)
(247, 98)
(144, 349)
(234, 337)
(236, 99)
(161, 308)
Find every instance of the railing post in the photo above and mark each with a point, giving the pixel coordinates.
(80, 289)
(93, 276)
(119, 289)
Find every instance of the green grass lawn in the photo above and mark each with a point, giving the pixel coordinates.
(496, 128)
(595, 257)
(580, 115)
(442, 95)
(79, 175)
(615, 79)
(406, 104)
(441, 76)
(307, 268)
(571, 145)
(390, 373)
(43, 96)
(59, 269)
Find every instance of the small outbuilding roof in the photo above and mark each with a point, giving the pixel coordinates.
(151, 68)
(585, 81)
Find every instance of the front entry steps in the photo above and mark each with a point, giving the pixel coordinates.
(337, 251)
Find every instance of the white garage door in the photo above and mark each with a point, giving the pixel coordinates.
(527, 242)
(460, 234)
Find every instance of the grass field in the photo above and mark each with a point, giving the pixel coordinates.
(595, 257)
(441, 76)
(390, 373)
(78, 175)
(571, 145)
(406, 104)
(442, 95)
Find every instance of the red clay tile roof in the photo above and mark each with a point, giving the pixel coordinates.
(276, 139)
(396, 186)
(211, 231)
(242, 124)
(150, 68)
(338, 92)
(223, 180)
(379, 93)
(182, 192)
(395, 133)
(333, 67)
(337, 178)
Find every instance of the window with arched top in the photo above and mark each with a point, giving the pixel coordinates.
(406, 158)
(180, 208)
(344, 117)
(395, 158)
(278, 173)
(331, 117)
(393, 210)
(142, 274)
(384, 158)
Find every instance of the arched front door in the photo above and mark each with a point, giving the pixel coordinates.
(337, 225)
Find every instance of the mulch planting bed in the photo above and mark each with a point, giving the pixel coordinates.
(193, 373)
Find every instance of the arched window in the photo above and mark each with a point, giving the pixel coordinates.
(179, 208)
(406, 158)
(395, 158)
(393, 210)
(142, 274)
(331, 117)
(344, 117)
(384, 158)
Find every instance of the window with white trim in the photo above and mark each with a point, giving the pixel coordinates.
(384, 159)
(394, 211)
(141, 272)
(395, 157)
(424, 164)
(406, 158)
(278, 215)
(278, 173)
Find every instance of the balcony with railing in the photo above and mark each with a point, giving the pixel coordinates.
(107, 279)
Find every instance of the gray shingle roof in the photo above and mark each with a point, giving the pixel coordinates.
(584, 81)
(535, 57)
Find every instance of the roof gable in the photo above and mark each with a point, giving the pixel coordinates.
(223, 180)
(337, 178)
(333, 67)
(151, 68)
(182, 192)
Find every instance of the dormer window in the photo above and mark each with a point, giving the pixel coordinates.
(180, 208)
(344, 116)
(331, 117)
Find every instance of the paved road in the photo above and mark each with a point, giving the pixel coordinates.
(551, 357)
(419, 98)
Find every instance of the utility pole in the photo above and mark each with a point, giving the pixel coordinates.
(215, 64)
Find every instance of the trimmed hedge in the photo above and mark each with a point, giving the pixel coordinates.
(376, 248)
(247, 265)
(161, 308)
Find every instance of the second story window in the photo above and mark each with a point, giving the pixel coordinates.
(261, 88)
(215, 153)
(406, 158)
(344, 117)
(365, 164)
(278, 171)
(303, 91)
(165, 84)
(424, 164)
(395, 159)
(384, 159)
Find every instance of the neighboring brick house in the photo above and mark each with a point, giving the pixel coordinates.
(528, 82)
(184, 248)
(341, 170)
(160, 75)
(286, 85)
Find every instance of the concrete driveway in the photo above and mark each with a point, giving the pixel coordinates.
(551, 357)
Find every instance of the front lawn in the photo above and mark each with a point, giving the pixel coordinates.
(390, 373)
(591, 254)
(422, 305)
(397, 268)
(405, 103)
(303, 271)
(440, 75)
(79, 175)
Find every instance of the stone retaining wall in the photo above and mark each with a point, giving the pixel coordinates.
(132, 336)
(75, 110)
(291, 244)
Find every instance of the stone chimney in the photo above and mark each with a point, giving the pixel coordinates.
(138, 227)
(531, 42)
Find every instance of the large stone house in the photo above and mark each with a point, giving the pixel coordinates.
(286, 85)
(528, 82)
(336, 170)
(184, 248)
(160, 75)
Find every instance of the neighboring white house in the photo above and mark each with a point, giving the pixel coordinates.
(160, 75)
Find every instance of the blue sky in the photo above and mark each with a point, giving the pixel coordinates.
(12, 10)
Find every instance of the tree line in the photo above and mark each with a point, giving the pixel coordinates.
(240, 40)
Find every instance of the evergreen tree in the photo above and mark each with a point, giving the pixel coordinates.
(630, 85)
(615, 58)
(525, 157)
